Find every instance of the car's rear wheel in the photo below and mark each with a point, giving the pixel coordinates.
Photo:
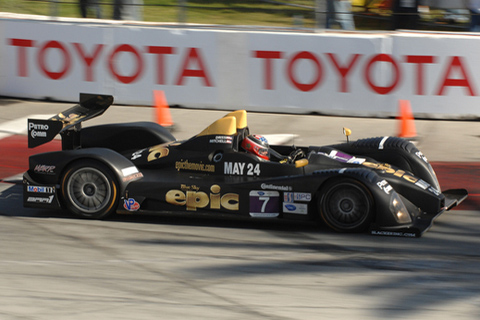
(89, 190)
(346, 205)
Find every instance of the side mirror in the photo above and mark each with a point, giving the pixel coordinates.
(347, 132)
(301, 163)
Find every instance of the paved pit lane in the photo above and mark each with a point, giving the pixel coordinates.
(53, 266)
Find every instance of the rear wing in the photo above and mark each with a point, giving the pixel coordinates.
(67, 123)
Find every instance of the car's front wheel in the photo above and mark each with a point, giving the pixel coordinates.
(89, 189)
(346, 205)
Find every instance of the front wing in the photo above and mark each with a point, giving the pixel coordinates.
(424, 221)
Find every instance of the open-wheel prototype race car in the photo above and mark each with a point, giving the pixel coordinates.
(384, 185)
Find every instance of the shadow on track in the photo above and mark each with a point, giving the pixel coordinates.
(402, 278)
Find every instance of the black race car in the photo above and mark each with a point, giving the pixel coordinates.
(384, 185)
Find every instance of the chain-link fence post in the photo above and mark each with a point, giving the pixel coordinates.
(320, 16)
(182, 16)
(54, 8)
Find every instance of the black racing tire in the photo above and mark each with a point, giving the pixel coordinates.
(89, 190)
(346, 205)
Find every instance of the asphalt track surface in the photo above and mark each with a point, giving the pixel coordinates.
(53, 266)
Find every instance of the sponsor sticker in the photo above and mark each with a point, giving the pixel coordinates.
(264, 204)
(131, 204)
(192, 198)
(388, 169)
(44, 169)
(41, 131)
(297, 196)
(222, 139)
(193, 166)
(298, 208)
(39, 189)
(275, 187)
(38, 130)
(393, 233)
(133, 176)
(385, 186)
(40, 199)
(288, 197)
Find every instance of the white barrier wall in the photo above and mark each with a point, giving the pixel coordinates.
(332, 73)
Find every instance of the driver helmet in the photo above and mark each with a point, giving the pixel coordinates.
(256, 144)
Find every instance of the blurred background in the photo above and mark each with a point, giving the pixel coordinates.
(192, 267)
(440, 15)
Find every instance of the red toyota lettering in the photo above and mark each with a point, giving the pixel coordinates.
(420, 61)
(342, 70)
(89, 60)
(268, 74)
(42, 57)
(160, 52)
(382, 57)
(22, 44)
(113, 69)
(193, 56)
(305, 87)
(456, 64)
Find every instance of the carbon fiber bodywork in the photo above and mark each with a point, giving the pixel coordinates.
(390, 180)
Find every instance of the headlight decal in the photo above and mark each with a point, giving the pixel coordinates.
(398, 209)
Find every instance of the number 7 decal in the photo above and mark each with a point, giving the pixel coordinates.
(264, 204)
(265, 201)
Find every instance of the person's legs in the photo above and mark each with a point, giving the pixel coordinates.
(83, 8)
(117, 9)
(330, 14)
(474, 21)
(96, 7)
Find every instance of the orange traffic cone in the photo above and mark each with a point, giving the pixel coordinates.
(407, 125)
(162, 111)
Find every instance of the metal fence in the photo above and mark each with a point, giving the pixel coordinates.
(304, 14)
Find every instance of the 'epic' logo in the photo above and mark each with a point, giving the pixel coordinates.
(198, 199)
